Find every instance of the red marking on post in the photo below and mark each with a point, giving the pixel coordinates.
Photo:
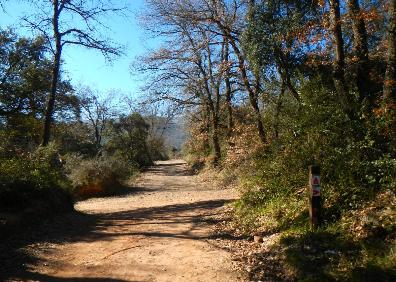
(315, 199)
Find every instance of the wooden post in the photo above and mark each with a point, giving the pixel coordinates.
(315, 199)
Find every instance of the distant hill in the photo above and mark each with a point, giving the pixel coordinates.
(173, 132)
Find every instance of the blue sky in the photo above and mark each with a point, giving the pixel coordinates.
(89, 67)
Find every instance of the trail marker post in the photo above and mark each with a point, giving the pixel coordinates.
(315, 199)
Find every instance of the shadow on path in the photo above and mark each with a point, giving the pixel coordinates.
(17, 249)
(47, 278)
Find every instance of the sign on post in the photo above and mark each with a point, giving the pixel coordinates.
(315, 199)
(315, 184)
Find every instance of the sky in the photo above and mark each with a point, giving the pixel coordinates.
(89, 67)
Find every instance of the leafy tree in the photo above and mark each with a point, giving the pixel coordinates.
(75, 137)
(25, 73)
(128, 138)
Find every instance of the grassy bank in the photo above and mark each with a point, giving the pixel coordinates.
(356, 242)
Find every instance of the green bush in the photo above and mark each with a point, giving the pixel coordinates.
(157, 149)
(99, 176)
(34, 176)
(128, 140)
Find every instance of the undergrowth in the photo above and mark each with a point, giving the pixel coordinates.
(357, 239)
(34, 179)
(100, 176)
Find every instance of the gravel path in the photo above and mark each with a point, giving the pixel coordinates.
(161, 232)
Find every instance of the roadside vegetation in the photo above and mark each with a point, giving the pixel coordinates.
(266, 88)
(96, 143)
(271, 87)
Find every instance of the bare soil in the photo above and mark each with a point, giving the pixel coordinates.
(161, 231)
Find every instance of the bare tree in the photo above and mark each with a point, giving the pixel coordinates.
(96, 111)
(2, 4)
(158, 115)
(226, 19)
(227, 79)
(70, 22)
(191, 68)
(221, 19)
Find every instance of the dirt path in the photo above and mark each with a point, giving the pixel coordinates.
(160, 233)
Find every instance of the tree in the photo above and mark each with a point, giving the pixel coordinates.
(97, 112)
(221, 20)
(57, 29)
(218, 12)
(25, 75)
(360, 50)
(1, 4)
(228, 85)
(339, 54)
(278, 36)
(339, 59)
(129, 139)
(193, 68)
(389, 93)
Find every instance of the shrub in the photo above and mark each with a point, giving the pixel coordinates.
(128, 138)
(99, 176)
(354, 165)
(157, 149)
(34, 177)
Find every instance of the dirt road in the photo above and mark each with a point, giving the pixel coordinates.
(161, 232)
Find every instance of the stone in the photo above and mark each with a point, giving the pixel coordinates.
(258, 239)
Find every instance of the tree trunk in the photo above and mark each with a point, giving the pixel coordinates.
(278, 110)
(211, 86)
(206, 126)
(245, 79)
(215, 140)
(285, 76)
(339, 57)
(360, 49)
(55, 76)
(97, 137)
(230, 122)
(251, 93)
(389, 93)
(284, 68)
(215, 128)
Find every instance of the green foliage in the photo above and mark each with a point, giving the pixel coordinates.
(98, 176)
(330, 254)
(75, 137)
(21, 133)
(157, 148)
(358, 182)
(30, 176)
(271, 39)
(128, 138)
(352, 162)
(25, 74)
